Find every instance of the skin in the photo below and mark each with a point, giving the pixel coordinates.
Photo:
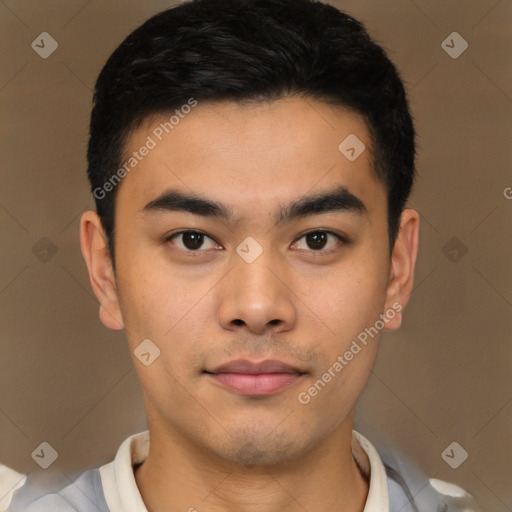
(211, 448)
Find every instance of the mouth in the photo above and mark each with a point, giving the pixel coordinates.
(249, 378)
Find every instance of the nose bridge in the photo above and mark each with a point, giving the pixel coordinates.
(254, 294)
(252, 265)
(254, 272)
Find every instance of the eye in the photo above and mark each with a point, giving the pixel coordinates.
(191, 241)
(317, 240)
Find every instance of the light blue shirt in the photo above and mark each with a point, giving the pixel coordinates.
(112, 487)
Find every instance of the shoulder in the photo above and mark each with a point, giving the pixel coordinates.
(453, 497)
(91, 490)
(398, 484)
(410, 490)
(10, 482)
(84, 494)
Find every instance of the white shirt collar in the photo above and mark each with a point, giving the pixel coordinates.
(378, 499)
(122, 494)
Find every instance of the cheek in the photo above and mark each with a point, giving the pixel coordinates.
(172, 312)
(351, 298)
(150, 305)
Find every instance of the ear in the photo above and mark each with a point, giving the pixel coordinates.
(403, 261)
(93, 242)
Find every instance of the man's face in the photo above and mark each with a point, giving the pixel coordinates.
(205, 302)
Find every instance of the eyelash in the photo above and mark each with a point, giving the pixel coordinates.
(340, 238)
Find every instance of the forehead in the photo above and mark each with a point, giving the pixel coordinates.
(251, 155)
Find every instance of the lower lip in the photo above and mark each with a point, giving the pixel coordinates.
(261, 384)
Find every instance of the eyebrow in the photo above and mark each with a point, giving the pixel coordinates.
(339, 199)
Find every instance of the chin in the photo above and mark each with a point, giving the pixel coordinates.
(262, 448)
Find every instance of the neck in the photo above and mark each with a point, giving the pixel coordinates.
(178, 476)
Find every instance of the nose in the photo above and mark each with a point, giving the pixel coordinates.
(257, 296)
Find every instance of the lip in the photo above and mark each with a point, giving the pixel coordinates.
(252, 378)
(247, 366)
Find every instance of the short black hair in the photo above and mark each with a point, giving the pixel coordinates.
(245, 51)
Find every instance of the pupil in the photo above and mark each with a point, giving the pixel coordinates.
(316, 240)
(193, 240)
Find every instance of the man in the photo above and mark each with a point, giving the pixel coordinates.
(251, 161)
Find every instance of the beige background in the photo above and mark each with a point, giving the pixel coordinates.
(444, 377)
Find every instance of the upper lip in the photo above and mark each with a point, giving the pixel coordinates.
(255, 367)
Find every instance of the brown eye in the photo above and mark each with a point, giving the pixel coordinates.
(318, 240)
(190, 240)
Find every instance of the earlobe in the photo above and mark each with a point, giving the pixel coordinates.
(403, 261)
(93, 242)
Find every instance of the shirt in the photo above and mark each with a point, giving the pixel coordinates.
(113, 488)
(10, 481)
